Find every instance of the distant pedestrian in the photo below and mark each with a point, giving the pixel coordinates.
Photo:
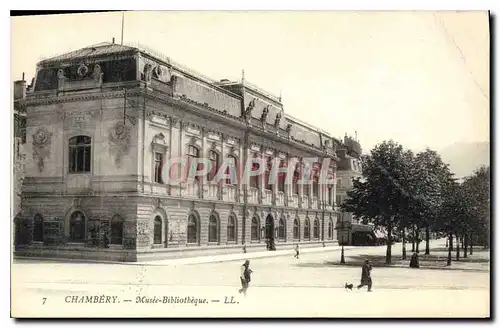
(414, 261)
(245, 277)
(296, 251)
(366, 279)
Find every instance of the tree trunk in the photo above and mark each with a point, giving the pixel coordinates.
(465, 245)
(471, 243)
(417, 237)
(458, 247)
(413, 240)
(450, 245)
(427, 241)
(404, 245)
(389, 244)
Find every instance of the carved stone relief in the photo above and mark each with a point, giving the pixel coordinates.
(41, 146)
(119, 142)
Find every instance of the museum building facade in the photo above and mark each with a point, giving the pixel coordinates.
(102, 121)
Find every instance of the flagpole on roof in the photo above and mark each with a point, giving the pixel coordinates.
(123, 23)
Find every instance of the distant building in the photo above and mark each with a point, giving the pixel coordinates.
(102, 121)
(350, 229)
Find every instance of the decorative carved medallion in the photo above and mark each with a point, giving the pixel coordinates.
(60, 74)
(82, 70)
(41, 146)
(119, 141)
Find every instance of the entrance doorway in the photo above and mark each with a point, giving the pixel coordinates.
(270, 233)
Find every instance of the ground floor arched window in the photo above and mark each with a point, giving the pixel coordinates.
(77, 226)
(296, 229)
(231, 229)
(307, 230)
(213, 229)
(192, 233)
(281, 229)
(255, 235)
(38, 228)
(116, 230)
(158, 228)
(316, 229)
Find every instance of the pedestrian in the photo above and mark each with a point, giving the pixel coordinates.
(296, 251)
(366, 279)
(245, 277)
(414, 261)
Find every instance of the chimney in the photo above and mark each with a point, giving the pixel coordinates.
(19, 89)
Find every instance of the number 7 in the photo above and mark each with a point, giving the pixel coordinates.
(44, 299)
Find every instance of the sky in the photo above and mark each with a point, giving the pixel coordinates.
(419, 78)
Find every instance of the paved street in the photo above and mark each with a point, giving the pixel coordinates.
(281, 286)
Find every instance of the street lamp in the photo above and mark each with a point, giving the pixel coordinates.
(343, 226)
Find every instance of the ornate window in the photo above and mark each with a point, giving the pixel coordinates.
(316, 229)
(79, 154)
(38, 228)
(233, 163)
(77, 227)
(315, 179)
(254, 180)
(281, 229)
(158, 167)
(267, 173)
(193, 153)
(192, 233)
(282, 177)
(116, 230)
(296, 229)
(157, 230)
(214, 160)
(255, 233)
(213, 229)
(231, 229)
(307, 230)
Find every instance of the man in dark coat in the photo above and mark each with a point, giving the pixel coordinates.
(414, 261)
(366, 279)
(245, 277)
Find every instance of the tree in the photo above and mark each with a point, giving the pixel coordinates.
(379, 197)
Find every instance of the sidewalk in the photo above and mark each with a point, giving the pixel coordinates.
(241, 256)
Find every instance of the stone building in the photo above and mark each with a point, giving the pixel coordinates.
(19, 139)
(102, 121)
(350, 229)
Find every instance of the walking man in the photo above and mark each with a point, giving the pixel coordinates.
(245, 277)
(366, 279)
(296, 251)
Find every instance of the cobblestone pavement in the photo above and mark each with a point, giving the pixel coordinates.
(281, 286)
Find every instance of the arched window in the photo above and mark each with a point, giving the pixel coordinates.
(281, 229)
(157, 230)
(330, 229)
(296, 229)
(233, 167)
(214, 161)
(316, 229)
(255, 233)
(77, 226)
(213, 229)
(231, 228)
(116, 230)
(307, 230)
(79, 154)
(38, 228)
(192, 233)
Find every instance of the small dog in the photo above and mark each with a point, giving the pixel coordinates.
(348, 286)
